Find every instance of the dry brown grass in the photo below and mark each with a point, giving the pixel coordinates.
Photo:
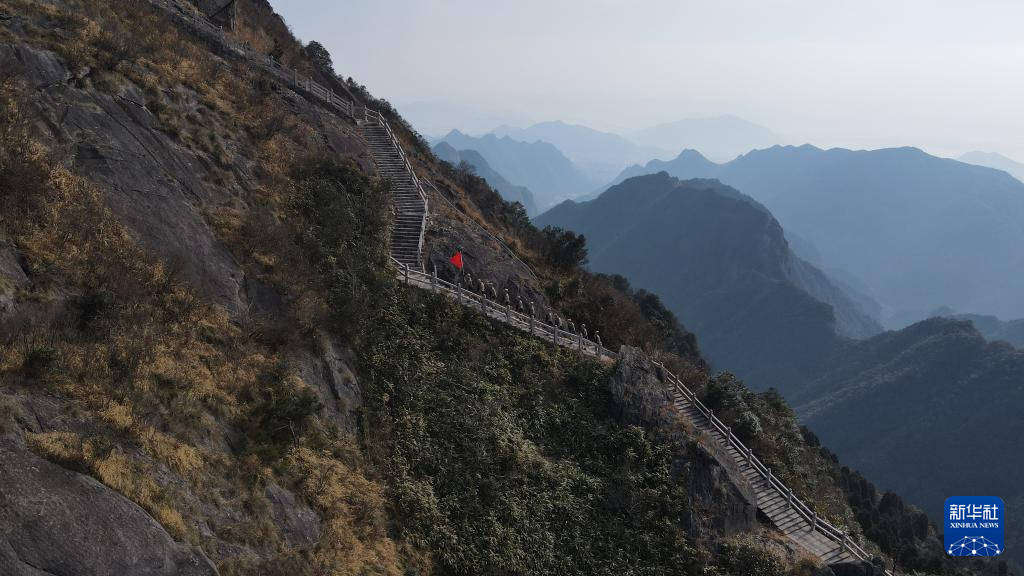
(11, 414)
(346, 499)
(129, 476)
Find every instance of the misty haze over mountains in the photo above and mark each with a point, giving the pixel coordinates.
(895, 227)
(922, 232)
(510, 192)
(721, 262)
(539, 166)
(997, 161)
(602, 155)
(559, 161)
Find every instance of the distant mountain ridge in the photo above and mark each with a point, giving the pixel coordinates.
(997, 161)
(721, 262)
(890, 218)
(601, 155)
(539, 166)
(721, 137)
(510, 192)
(915, 410)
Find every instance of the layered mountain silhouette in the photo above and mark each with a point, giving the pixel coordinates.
(510, 192)
(539, 166)
(926, 411)
(601, 155)
(920, 231)
(721, 262)
(997, 161)
(721, 137)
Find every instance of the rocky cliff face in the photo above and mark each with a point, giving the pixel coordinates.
(643, 398)
(161, 135)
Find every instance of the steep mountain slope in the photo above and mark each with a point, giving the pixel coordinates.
(539, 166)
(891, 218)
(722, 138)
(995, 160)
(951, 439)
(601, 155)
(722, 263)
(508, 191)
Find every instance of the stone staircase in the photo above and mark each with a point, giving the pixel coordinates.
(408, 198)
(777, 506)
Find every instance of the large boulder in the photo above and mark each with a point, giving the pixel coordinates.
(55, 522)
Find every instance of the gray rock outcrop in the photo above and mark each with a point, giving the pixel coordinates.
(642, 398)
(55, 522)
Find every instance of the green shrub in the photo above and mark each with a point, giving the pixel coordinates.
(280, 412)
(41, 360)
(745, 560)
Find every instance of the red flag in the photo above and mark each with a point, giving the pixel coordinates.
(457, 260)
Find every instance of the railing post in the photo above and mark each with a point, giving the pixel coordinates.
(406, 274)
(458, 291)
(814, 522)
(790, 499)
(531, 323)
(433, 281)
(554, 334)
(846, 538)
(770, 477)
(728, 435)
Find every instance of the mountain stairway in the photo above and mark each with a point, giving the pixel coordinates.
(773, 499)
(784, 510)
(409, 200)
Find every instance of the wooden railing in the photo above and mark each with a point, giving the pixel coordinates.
(817, 524)
(504, 312)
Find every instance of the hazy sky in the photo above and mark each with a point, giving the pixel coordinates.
(947, 76)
